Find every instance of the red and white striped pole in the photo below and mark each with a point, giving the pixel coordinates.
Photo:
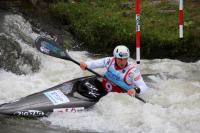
(137, 9)
(180, 18)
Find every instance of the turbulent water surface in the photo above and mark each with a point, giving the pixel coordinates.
(173, 98)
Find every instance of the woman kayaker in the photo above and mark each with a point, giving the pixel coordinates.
(124, 76)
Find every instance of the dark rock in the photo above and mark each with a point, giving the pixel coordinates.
(12, 59)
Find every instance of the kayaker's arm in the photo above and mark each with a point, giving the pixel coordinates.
(100, 63)
(138, 81)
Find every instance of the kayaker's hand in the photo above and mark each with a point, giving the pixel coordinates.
(83, 65)
(131, 92)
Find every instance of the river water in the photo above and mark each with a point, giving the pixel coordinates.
(173, 98)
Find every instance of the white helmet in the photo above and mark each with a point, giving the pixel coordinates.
(121, 51)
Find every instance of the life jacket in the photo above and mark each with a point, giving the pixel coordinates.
(121, 78)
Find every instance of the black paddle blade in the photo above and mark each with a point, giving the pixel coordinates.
(49, 47)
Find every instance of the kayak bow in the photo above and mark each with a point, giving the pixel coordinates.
(73, 95)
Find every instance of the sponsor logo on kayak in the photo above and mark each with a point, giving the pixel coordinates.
(29, 113)
(56, 97)
(92, 87)
(76, 109)
(93, 91)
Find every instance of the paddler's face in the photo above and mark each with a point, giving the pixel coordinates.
(121, 62)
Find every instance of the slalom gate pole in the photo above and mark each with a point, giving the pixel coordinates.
(180, 18)
(137, 9)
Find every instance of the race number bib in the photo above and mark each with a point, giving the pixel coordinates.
(110, 87)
